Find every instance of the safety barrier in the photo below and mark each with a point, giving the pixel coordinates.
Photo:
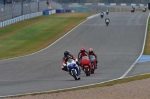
(108, 4)
(28, 16)
(20, 18)
(49, 12)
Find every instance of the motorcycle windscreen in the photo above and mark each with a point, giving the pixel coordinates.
(107, 20)
(71, 63)
(92, 58)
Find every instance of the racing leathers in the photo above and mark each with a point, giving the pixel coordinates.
(81, 54)
(92, 53)
(65, 59)
(64, 63)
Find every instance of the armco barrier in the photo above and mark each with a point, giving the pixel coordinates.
(128, 4)
(48, 12)
(8, 22)
(12, 21)
(107, 4)
(23, 17)
(15, 20)
(67, 10)
(118, 4)
(0, 24)
(59, 10)
(4, 23)
(53, 11)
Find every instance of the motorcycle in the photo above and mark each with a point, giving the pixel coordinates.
(102, 15)
(132, 11)
(144, 10)
(86, 65)
(107, 22)
(93, 63)
(107, 13)
(73, 69)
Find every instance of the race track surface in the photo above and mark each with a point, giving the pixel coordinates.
(117, 47)
(140, 68)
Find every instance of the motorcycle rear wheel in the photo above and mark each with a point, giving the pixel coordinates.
(87, 72)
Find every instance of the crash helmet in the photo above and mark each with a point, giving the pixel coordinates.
(82, 49)
(66, 53)
(91, 50)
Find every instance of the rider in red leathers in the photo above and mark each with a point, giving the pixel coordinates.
(91, 52)
(82, 53)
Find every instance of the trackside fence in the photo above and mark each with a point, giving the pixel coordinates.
(23, 17)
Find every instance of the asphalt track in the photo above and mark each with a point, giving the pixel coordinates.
(140, 68)
(117, 47)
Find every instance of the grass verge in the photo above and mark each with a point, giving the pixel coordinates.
(147, 44)
(37, 33)
(110, 83)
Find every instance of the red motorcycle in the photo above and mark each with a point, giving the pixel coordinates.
(86, 65)
(93, 63)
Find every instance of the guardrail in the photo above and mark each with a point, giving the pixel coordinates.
(49, 12)
(107, 4)
(23, 17)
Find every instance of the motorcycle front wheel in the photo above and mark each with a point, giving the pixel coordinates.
(74, 74)
(87, 72)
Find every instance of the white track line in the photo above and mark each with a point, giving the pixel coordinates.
(83, 85)
(42, 50)
(57, 89)
(141, 52)
(47, 46)
(67, 88)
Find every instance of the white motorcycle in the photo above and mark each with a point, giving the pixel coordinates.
(73, 69)
(107, 22)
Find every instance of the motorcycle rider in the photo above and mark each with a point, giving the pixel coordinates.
(107, 11)
(107, 20)
(91, 52)
(144, 9)
(102, 14)
(133, 9)
(82, 53)
(67, 55)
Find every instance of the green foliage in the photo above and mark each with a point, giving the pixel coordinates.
(34, 34)
(147, 43)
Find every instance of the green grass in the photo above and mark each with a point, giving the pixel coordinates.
(34, 34)
(24, 39)
(147, 43)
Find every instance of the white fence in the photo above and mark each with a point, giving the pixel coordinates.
(23, 17)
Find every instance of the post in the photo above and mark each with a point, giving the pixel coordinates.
(38, 5)
(21, 7)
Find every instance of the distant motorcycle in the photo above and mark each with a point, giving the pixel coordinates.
(102, 15)
(144, 10)
(107, 12)
(132, 11)
(107, 22)
(86, 65)
(73, 69)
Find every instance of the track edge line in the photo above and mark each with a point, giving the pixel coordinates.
(125, 74)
